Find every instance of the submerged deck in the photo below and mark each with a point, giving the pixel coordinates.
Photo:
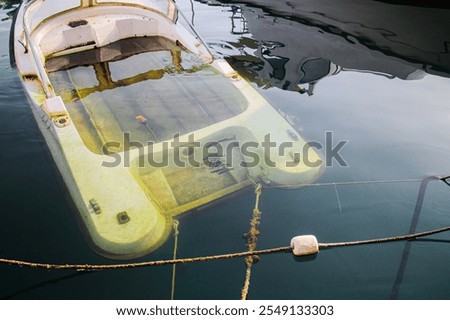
(149, 88)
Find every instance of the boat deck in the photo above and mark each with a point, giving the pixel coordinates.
(149, 88)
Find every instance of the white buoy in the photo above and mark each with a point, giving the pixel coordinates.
(304, 245)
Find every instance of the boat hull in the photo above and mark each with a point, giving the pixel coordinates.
(126, 204)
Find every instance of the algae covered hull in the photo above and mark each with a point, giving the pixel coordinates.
(142, 121)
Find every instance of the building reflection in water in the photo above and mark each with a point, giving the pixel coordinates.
(292, 46)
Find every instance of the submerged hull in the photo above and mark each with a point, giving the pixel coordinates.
(141, 121)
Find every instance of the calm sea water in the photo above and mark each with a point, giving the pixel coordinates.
(395, 128)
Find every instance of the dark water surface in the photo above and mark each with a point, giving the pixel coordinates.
(385, 92)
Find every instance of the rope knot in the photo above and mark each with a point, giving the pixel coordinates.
(176, 224)
(258, 189)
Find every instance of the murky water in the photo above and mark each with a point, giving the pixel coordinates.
(104, 98)
(387, 97)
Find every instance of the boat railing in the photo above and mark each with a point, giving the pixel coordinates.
(30, 45)
(36, 12)
(191, 27)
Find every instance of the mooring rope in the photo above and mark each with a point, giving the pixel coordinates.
(176, 224)
(252, 238)
(405, 237)
(100, 267)
(350, 183)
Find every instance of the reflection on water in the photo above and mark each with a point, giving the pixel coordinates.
(363, 91)
(293, 45)
(8, 8)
